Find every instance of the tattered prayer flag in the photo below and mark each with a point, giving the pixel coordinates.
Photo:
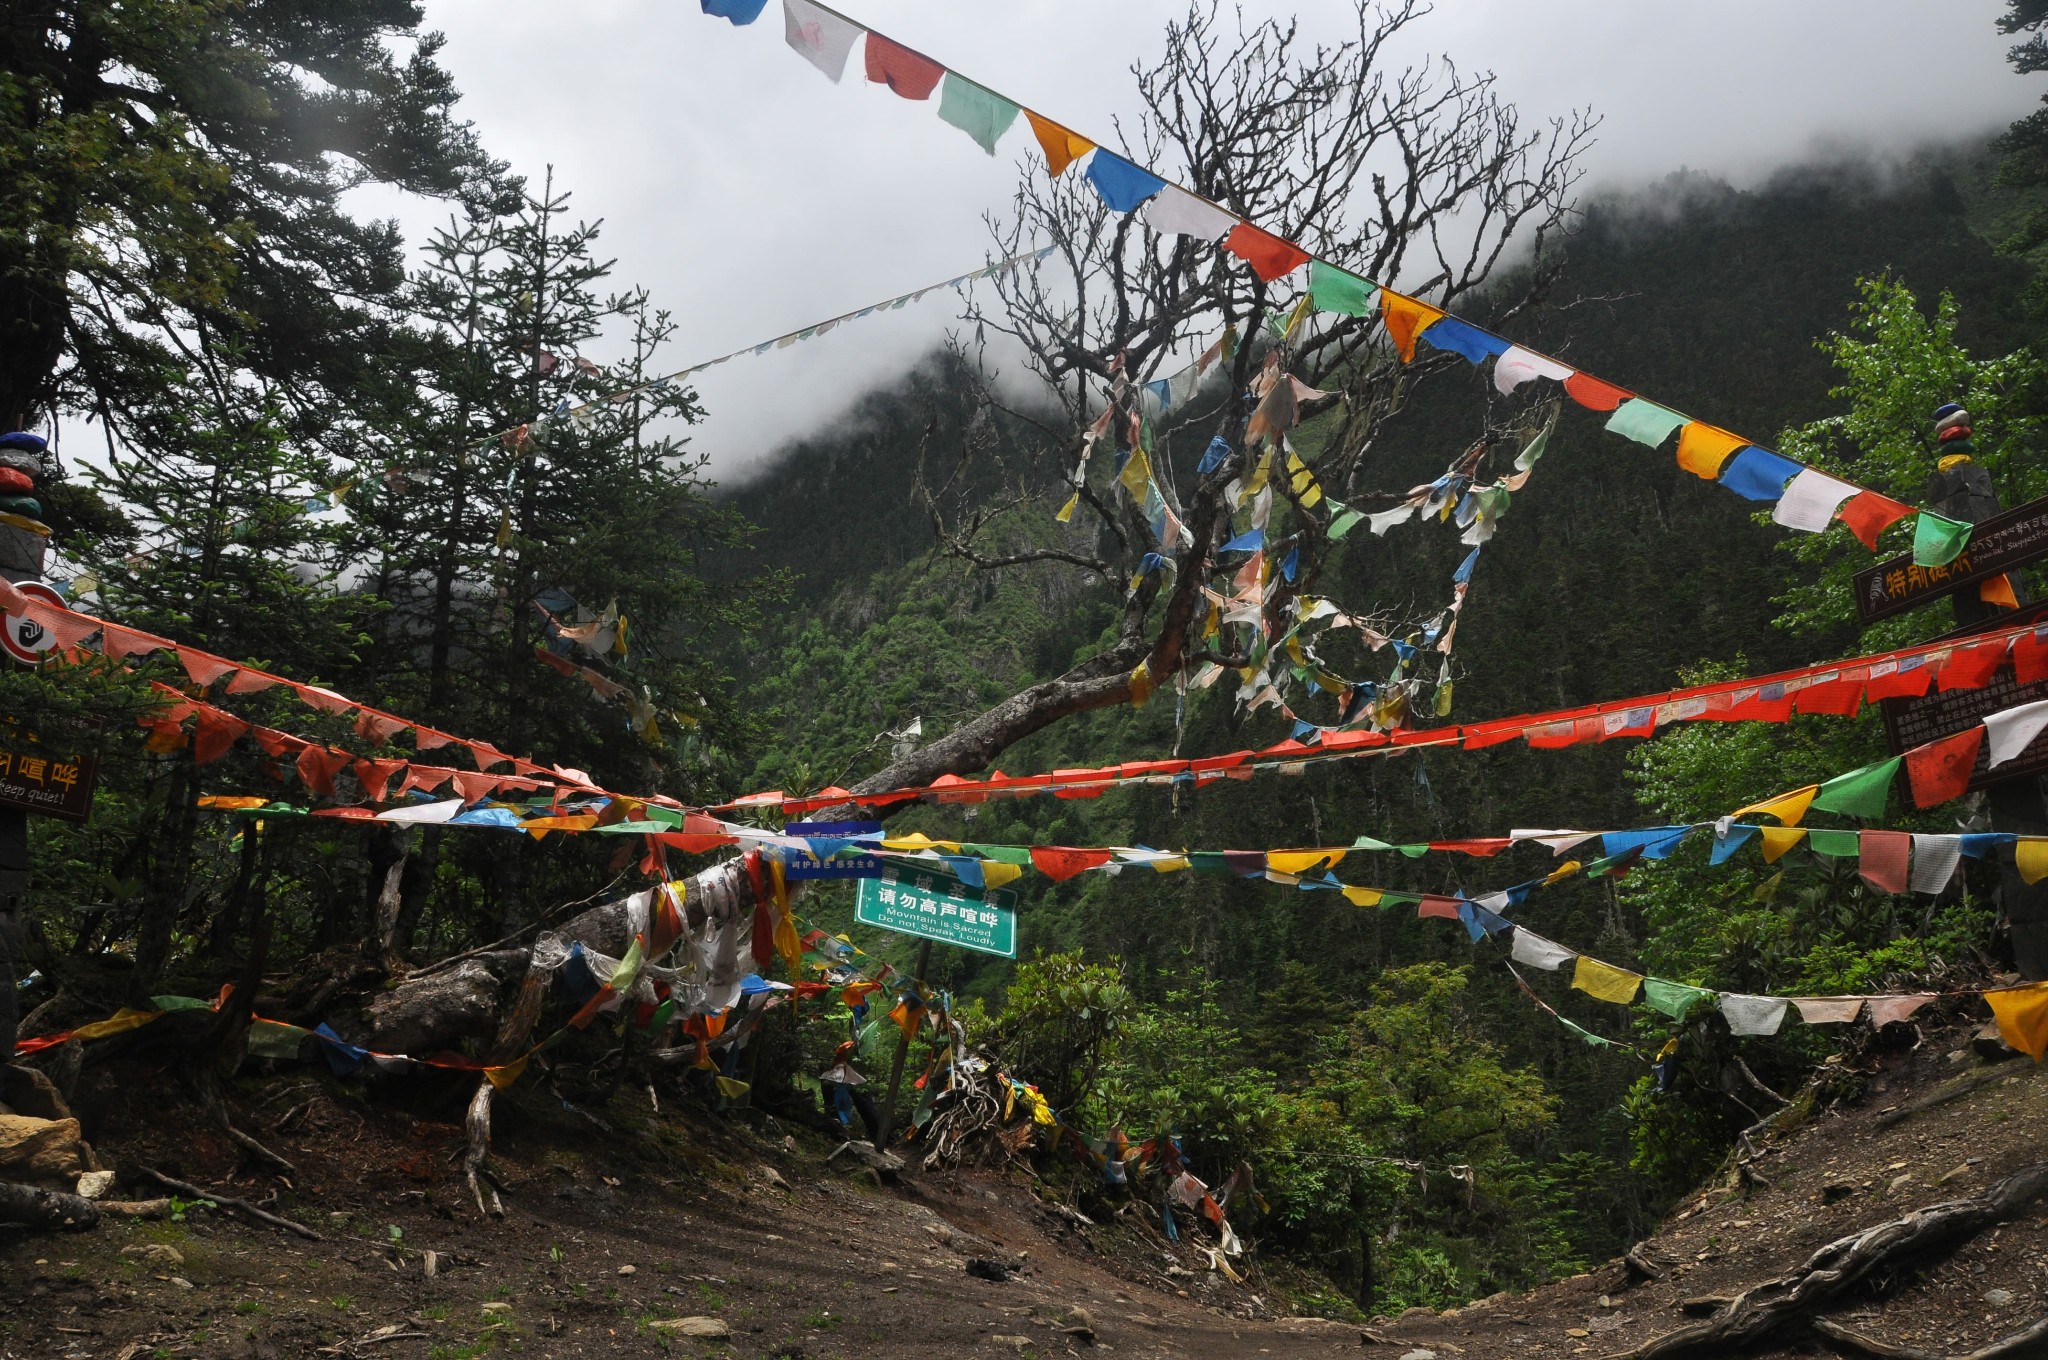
(1752, 1014)
(1810, 502)
(2014, 730)
(1142, 684)
(2022, 1014)
(1538, 952)
(1869, 514)
(1406, 318)
(1517, 366)
(1828, 1010)
(203, 669)
(1594, 394)
(910, 74)
(1674, 999)
(1605, 982)
(1331, 289)
(1066, 512)
(1758, 474)
(740, 12)
(1463, 339)
(1120, 184)
(822, 38)
(1859, 793)
(1271, 257)
(981, 113)
(1644, 421)
(1938, 540)
(1885, 1010)
(214, 734)
(1884, 863)
(1940, 770)
(1176, 212)
(1062, 147)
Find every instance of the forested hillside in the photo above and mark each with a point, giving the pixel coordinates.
(1612, 574)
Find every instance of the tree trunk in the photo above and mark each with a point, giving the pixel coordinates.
(40, 1208)
(1755, 1315)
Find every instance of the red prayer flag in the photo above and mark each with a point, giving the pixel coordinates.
(1940, 770)
(214, 734)
(1060, 864)
(1869, 514)
(1434, 906)
(474, 787)
(317, 767)
(2030, 658)
(1909, 681)
(1593, 394)
(275, 743)
(375, 776)
(1884, 858)
(910, 74)
(1972, 667)
(1271, 257)
(203, 669)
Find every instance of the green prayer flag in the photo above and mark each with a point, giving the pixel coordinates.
(1526, 459)
(1001, 854)
(1859, 793)
(275, 1039)
(1371, 843)
(1672, 998)
(1341, 525)
(180, 1003)
(1331, 289)
(1644, 421)
(1938, 541)
(1835, 844)
(982, 114)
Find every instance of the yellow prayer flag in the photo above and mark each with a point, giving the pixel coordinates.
(1562, 872)
(1301, 861)
(1061, 147)
(995, 873)
(1779, 839)
(1303, 310)
(1786, 807)
(1256, 483)
(914, 842)
(1704, 448)
(2022, 1017)
(1137, 475)
(1306, 488)
(1169, 864)
(501, 1077)
(1066, 514)
(1604, 982)
(731, 1087)
(2032, 855)
(1405, 319)
(1363, 897)
(120, 1022)
(1141, 684)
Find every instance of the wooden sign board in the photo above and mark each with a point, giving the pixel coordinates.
(1997, 545)
(48, 773)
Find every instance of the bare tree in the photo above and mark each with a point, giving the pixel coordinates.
(1421, 175)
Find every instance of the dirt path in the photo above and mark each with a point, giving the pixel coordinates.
(612, 1239)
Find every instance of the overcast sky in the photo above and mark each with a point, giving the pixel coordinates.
(753, 196)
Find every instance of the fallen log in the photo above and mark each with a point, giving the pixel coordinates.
(2033, 1341)
(39, 1208)
(1758, 1312)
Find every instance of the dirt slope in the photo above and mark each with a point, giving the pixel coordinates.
(610, 1234)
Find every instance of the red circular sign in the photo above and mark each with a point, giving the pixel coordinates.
(24, 638)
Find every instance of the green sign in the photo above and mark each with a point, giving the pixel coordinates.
(934, 905)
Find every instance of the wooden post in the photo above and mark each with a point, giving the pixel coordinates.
(924, 959)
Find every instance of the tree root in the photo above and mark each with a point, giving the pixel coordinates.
(40, 1208)
(1759, 1311)
(240, 1206)
(478, 1125)
(2031, 1342)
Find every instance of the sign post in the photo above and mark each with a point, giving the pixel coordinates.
(933, 904)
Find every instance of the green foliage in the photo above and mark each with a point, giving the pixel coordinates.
(1061, 1022)
(1896, 363)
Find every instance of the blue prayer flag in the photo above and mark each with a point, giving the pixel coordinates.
(1464, 339)
(1120, 184)
(1758, 474)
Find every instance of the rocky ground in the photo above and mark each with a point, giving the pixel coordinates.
(664, 1235)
